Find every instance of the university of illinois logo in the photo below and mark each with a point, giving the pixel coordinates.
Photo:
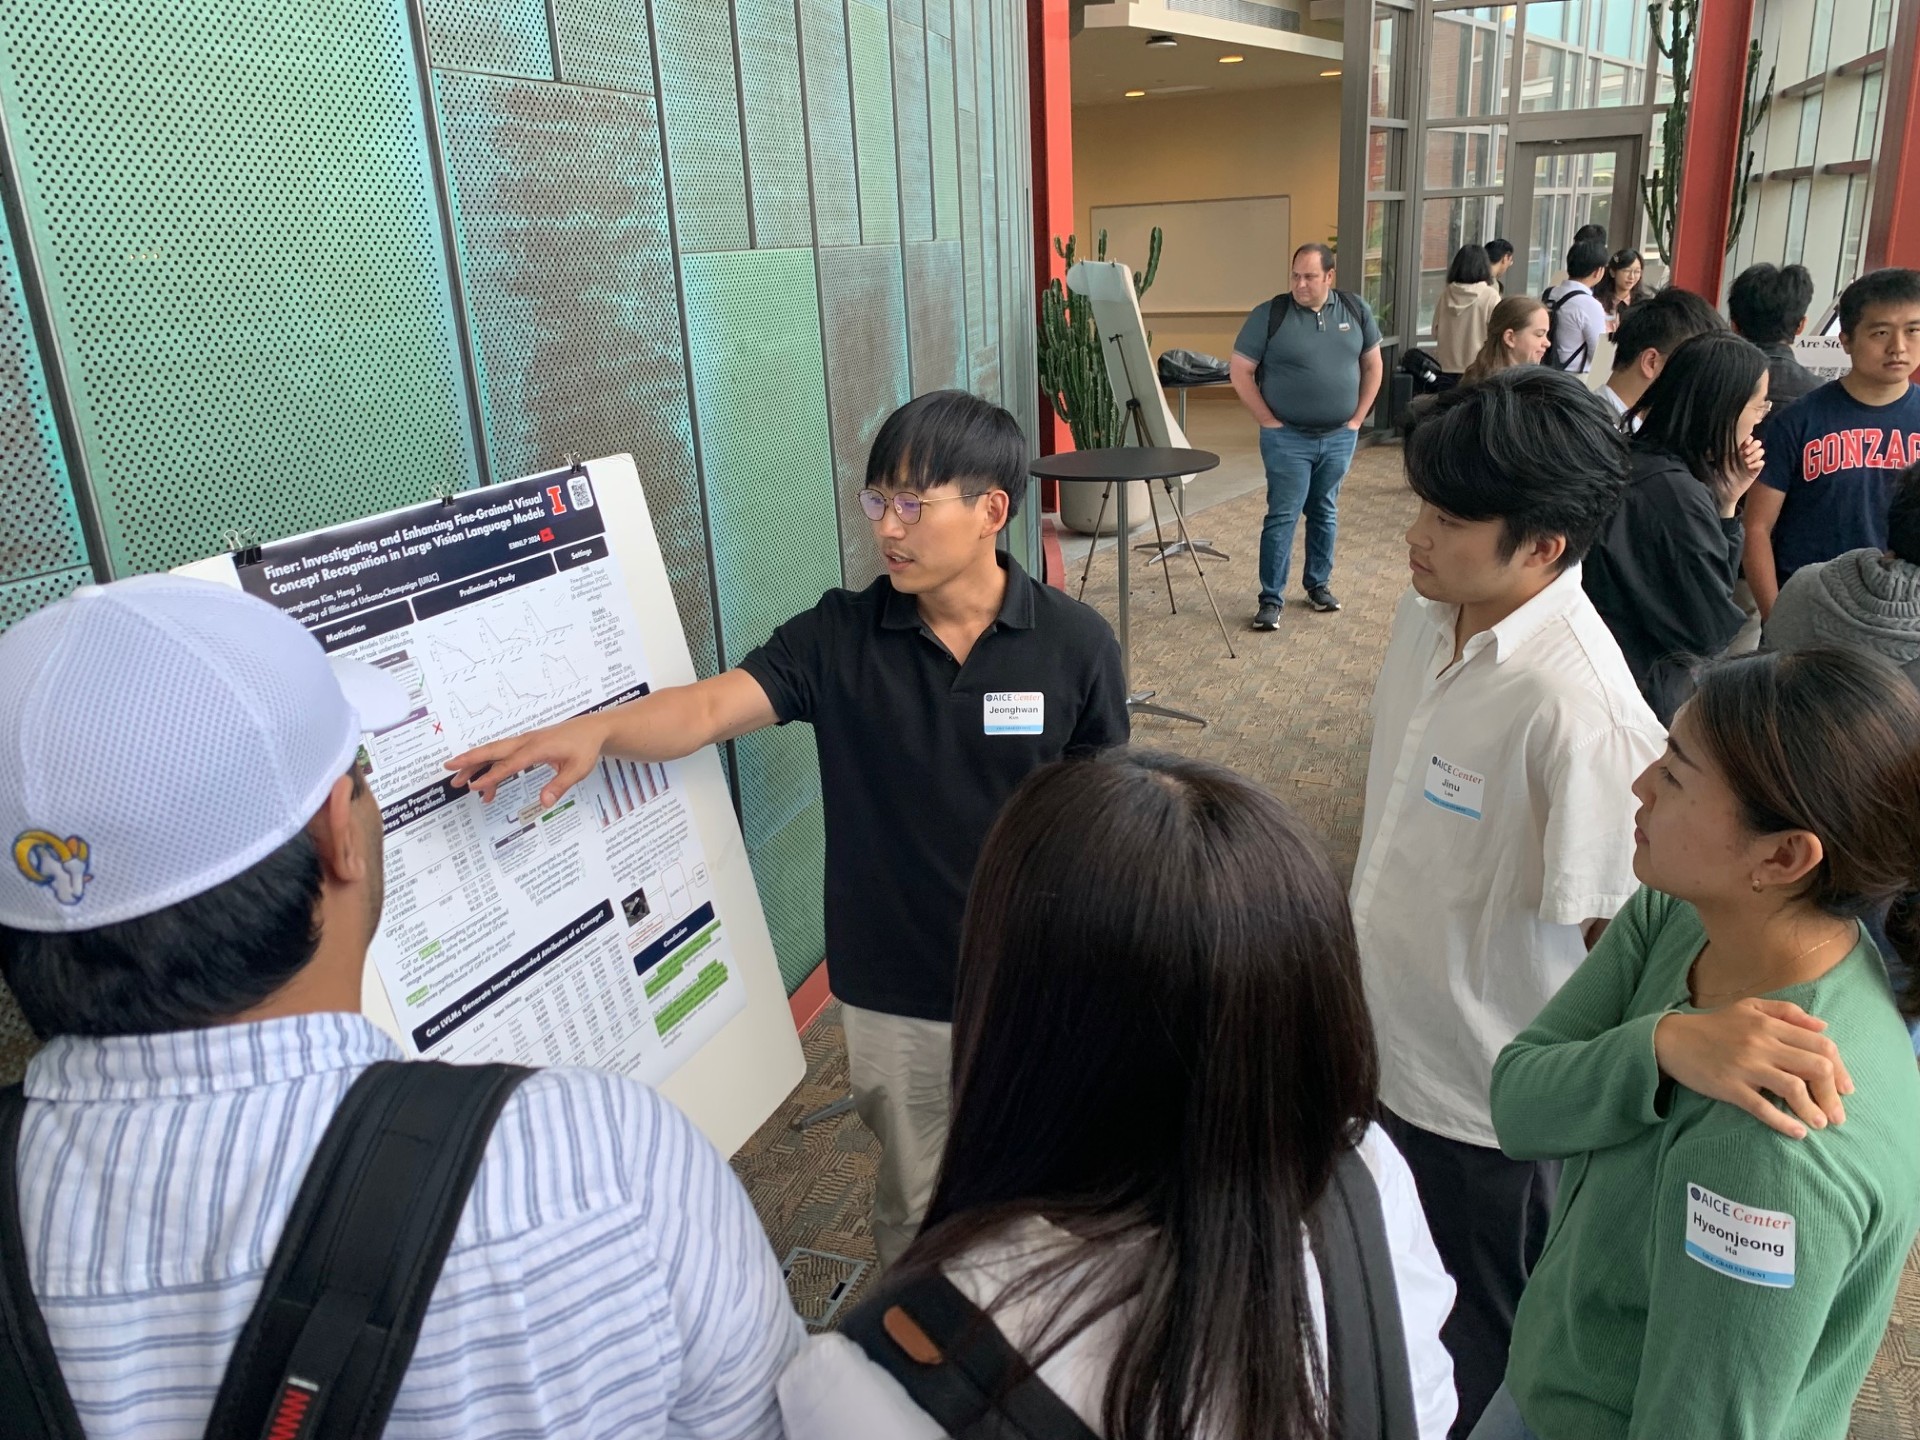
(64, 866)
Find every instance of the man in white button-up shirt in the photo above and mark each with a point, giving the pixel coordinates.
(1498, 832)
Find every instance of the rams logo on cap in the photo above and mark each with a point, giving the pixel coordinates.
(64, 866)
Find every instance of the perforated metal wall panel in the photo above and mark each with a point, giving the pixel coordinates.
(972, 264)
(936, 319)
(910, 121)
(20, 598)
(776, 132)
(235, 222)
(782, 823)
(986, 353)
(790, 872)
(42, 533)
(603, 42)
(754, 319)
(864, 299)
(503, 37)
(870, 59)
(561, 212)
(941, 125)
(836, 195)
(700, 92)
(940, 16)
(779, 778)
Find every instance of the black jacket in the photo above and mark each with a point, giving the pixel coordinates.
(1661, 575)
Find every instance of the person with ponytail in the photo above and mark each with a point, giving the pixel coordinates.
(1728, 1079)
(1162, 1052)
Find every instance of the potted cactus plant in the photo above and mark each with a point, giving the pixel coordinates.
(1074, 376)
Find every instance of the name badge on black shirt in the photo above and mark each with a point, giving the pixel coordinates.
(1016, 712)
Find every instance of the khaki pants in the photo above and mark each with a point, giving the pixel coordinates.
(899, 1071)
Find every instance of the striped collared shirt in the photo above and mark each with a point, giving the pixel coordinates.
(608, 1277)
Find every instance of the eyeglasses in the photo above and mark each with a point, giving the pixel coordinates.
(905, 504)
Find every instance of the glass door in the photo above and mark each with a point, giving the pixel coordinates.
(1556, 186)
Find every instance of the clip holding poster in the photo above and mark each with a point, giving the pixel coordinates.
(619, 928)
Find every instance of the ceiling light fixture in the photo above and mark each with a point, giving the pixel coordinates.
(1329, 74)
(1161, 42)
(1135, 94)
(1231, 59)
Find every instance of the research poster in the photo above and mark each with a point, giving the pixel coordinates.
(582, 934)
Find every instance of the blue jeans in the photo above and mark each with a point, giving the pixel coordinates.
(1501, 1420)
(1303, 473)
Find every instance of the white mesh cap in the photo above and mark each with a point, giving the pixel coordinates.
(158, 736)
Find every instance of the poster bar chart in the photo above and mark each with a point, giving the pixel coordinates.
(629, 784)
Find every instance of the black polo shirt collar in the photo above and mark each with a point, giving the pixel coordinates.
(902, 612)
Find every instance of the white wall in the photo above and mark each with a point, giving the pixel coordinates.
(1207, 147)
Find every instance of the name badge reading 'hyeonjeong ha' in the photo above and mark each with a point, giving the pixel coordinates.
(1016, 712)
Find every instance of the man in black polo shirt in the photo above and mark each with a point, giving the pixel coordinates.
(933, 693)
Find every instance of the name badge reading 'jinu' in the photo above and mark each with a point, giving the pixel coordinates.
(1454, 788)
(1016, 712)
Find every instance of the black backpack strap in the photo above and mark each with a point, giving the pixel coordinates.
(1553, 356)
(328, 1343)
(1369, 1381)
(1277, 309)
(33, 1397)
(953, 1361)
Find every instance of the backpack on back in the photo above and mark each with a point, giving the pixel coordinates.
(329, 1340)
(956, 1365)
(1556, 357)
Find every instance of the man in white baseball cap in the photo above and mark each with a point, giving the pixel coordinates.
(191, 879)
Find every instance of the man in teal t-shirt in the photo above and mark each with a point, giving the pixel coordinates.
(1308, 376)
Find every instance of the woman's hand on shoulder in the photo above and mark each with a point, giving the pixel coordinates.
(1753, 1050)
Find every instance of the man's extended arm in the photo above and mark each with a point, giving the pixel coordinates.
(666, 725)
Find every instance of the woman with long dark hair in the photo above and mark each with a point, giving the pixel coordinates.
(1461, 313)
(1518, 333)
(1161, 1050)
(1662, 572)
(1728, 1080)
(1622, 286)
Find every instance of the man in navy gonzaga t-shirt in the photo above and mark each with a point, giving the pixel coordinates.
(1833, 455)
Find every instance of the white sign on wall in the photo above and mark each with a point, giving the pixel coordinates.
(1823, 355)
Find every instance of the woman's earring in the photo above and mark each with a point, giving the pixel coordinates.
(1757, 887)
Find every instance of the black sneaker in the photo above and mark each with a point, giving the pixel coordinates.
(1321, 598)
(1268, 617)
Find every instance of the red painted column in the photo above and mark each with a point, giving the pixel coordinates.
(1050, 96)
(1713, 145)
(1893, 228)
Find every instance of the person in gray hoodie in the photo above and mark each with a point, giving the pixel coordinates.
(1864, 599)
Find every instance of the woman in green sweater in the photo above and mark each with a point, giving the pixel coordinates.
(1729, 1082)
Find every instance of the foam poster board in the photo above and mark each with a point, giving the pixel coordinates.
(618, 929)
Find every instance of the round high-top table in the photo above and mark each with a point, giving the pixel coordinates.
(1121, 466)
